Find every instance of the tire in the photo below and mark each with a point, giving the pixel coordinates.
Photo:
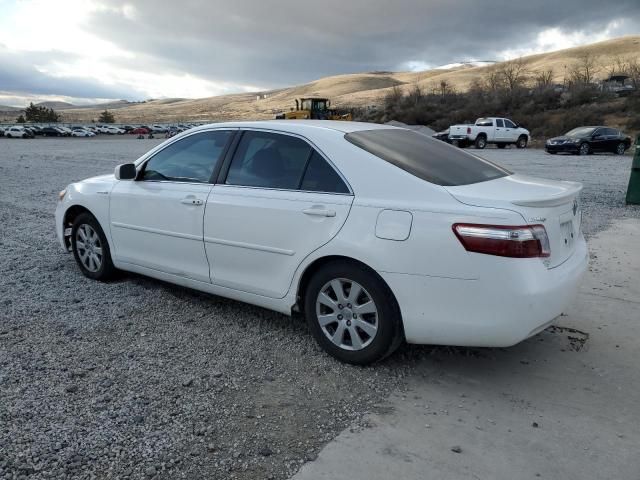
(584, 149)
(521, 142)
(481, 142)
(382, 332)
(501, 145)
(94, 261)
(620, 148)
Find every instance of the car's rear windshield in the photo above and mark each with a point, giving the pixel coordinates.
(432, 160)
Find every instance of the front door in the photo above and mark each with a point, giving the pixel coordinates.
(157, 220)
(280, 201)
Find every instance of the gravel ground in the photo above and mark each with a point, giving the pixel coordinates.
(141, 379)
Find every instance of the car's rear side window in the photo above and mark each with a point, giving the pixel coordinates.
(321, 177)
(426, 158)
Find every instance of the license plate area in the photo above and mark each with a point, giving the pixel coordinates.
(567, 233)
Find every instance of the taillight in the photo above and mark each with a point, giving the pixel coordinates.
(525, 241)
(468, 130)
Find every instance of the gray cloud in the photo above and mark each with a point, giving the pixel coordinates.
(280, 42)
(18, 75)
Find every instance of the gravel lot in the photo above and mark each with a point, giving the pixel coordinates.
(137, 378)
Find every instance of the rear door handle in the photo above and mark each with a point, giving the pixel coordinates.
(319, 212)
(191, 200)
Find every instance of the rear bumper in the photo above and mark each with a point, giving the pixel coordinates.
(489, 312)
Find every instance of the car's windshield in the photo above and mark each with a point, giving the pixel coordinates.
(426, 158)
(580, 132)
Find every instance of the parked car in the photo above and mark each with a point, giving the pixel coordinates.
(111, 130)
(18, 132)
(158, 129)
(586, 140)
(491, 130)
(51, 132)
(376, 233)
(66, 132)
(139, 131)
(81, 132)
(443, 136)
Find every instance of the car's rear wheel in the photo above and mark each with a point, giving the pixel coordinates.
(352, 313)
(584, 149)
(481, 142)
(90, 248)
(620, 148)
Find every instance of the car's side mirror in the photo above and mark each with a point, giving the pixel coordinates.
(126, 171)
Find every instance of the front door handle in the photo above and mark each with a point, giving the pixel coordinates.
(319, 212)
(191, 200)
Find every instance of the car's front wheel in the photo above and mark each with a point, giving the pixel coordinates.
(522, 142)
(352, 313)
(584, 149)
(90, 248)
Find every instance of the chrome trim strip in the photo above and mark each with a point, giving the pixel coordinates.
(157, 231)
(249, 246)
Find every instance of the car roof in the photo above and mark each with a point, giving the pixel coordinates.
(301, 126)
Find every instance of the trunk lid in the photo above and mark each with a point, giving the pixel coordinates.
(554, 204)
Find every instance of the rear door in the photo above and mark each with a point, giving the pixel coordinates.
(277, 200)
(599, 141)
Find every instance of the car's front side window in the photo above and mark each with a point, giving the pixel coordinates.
(269, 160)
(190, 159)
(509, 124)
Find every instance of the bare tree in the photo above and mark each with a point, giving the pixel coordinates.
(494, 80)
(544, 78)
(514, 73)
(445, 88)
(416, 94)
(584, 70)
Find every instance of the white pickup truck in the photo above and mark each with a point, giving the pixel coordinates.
(500, 131)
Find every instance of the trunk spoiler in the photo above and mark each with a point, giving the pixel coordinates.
(572, 190)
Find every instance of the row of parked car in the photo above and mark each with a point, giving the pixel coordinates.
(503, 131)
(30, 131)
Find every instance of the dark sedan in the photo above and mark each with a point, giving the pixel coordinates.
(586, 140)
(51, 132)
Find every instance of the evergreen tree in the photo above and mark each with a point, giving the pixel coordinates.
(106, 117)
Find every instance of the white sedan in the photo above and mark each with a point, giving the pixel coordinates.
(80, 132)
(378, 234)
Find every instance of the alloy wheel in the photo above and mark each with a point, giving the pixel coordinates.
(347, 314)
(89, 247)
(584, 149)
(620, 149)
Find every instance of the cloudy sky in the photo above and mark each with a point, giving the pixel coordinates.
(94, 50)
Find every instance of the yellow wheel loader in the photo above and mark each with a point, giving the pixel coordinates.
(314, 109)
